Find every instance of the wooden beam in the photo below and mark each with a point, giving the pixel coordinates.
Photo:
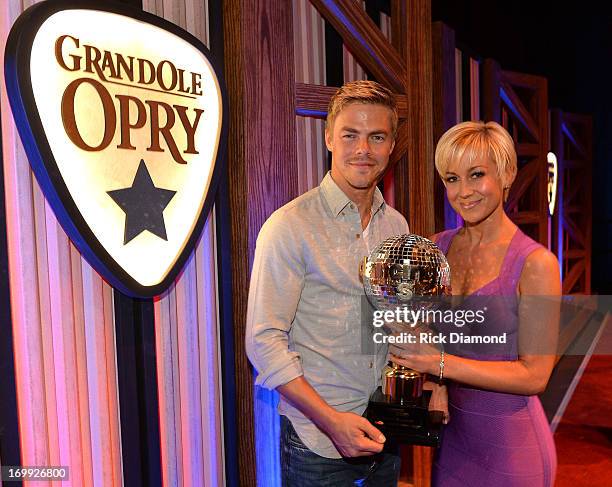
(365, 40)
(574, 254)
(569, 133)
(262, 170)
(525, 149)
(443, 79)
(526, 217)
(572, 276)
(574, 231)
(517, 108)
(414, 173)
(574, 209)
(523, 80)
(423, 459)
(491, 81)
(540, 108)
(313, 100)
(571, 193)
(414, 176)
(401, 143)
(574, 164)
(444, 105)
(524, 179)
(557, 146)
(533, 117)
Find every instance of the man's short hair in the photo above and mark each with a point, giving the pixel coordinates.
(477, 139)
(362, 91)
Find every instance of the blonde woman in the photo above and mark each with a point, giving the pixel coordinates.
(498, 434)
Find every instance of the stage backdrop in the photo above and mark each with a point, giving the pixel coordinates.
(63, 324)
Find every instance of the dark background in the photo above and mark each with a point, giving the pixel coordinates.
(571, 45)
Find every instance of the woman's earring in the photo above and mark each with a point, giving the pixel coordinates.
(506, 193)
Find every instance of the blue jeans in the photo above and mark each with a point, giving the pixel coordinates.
(300, 467)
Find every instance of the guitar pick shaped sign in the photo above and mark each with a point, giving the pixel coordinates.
(122, 118)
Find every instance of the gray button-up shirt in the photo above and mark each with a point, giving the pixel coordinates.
(304, 307)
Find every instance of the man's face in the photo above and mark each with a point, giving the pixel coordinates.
(360, 141)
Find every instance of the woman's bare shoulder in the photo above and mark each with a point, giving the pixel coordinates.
(541, 273)
(434, 237)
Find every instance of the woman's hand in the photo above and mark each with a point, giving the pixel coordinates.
(439, 399)
(422, 357)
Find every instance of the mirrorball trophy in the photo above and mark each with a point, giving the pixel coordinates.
(405, 271)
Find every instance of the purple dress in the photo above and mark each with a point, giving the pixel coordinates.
(496, 439)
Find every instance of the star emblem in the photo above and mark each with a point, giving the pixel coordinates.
(143, 204)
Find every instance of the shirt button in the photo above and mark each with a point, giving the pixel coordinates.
(357, 235)
(371, 364)
(352, 206)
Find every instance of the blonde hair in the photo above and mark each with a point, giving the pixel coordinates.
(362, 91)
(478, 140)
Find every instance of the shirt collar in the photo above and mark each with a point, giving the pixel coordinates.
(337, 200)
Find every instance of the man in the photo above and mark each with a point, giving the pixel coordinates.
(303, 322)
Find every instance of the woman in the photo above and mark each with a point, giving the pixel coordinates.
(498, 434)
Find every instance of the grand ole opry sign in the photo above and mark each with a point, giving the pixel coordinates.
(122, 117)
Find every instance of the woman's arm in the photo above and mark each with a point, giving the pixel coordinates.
(540, 289)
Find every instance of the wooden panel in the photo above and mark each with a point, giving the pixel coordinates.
(263, 172)
(187, 337)
(63, 327)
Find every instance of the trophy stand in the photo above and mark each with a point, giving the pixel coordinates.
(400, 408)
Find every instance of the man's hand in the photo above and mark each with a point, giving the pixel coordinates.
(354, 435)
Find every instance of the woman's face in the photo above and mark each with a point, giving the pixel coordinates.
(473, 188)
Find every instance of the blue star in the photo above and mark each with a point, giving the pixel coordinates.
(143, 204)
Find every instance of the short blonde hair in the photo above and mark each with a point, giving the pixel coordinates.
(362, 91)
(477, 139)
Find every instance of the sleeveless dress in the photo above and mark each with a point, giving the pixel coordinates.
(495, 439)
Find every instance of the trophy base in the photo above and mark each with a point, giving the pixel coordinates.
(409, 422)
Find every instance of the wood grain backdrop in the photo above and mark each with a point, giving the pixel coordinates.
(63, 325)
(62, 318)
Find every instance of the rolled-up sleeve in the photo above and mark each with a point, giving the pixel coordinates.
(277, 280)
